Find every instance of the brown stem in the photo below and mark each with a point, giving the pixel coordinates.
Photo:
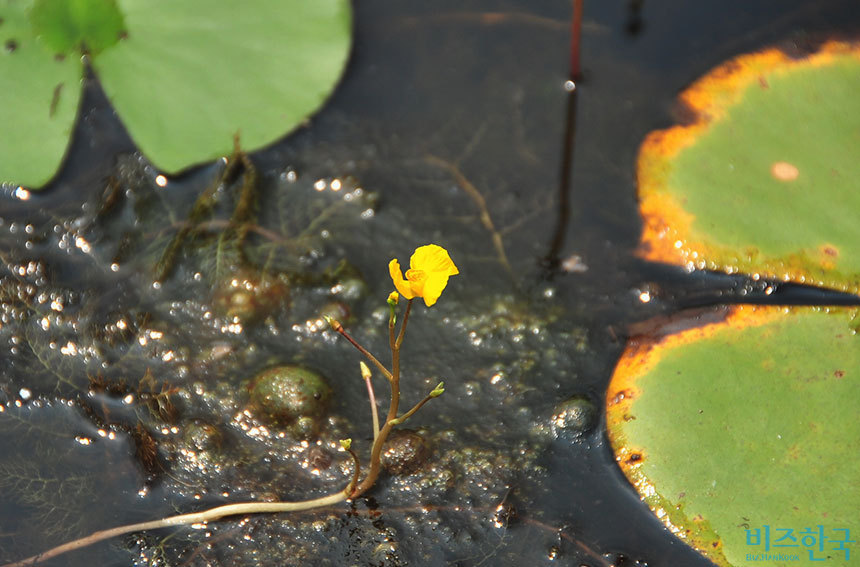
(575, 35)
(552, 260)
(356, 470)
(391, 322)
(402, 328)
(435, 393)
(393, 405)
(339, 328)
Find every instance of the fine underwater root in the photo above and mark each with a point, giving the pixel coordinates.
(356, 486)
(481, 203)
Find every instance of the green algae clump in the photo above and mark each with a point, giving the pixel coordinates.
(289, 395)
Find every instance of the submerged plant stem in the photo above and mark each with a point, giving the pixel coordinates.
(575, 40)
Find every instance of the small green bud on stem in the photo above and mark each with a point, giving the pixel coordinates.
(333, 323)
(438, 390)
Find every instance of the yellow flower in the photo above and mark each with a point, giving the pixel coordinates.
(428, 273)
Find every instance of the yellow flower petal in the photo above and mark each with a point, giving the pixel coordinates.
(429, 269)
(433, 287)
(433, 258)
(416, 279)
(397, 277)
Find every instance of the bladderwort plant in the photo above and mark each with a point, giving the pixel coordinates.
(430, 267)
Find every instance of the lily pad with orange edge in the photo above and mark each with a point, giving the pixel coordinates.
(764, 179)
(744, 422)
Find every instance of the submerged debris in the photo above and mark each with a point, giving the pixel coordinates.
(291, 395)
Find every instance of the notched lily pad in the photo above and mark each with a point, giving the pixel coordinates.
(190, 75)
(67, 26)
(764, 179)
(184, 77)
(741, 423)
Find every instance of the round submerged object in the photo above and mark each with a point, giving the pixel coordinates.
(290, 394)
(405, 452)
(573, 418)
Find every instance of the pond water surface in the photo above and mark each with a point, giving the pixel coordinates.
(123, 401)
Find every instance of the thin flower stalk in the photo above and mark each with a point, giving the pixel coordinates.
(365, 373)
(437, 391)
(335, 324)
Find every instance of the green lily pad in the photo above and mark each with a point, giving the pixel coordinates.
(764, 179)
(184, 77)
(67, 26)
(745, 423)
(192, 74)
(38, 101)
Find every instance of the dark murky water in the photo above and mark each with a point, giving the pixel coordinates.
(124, 402)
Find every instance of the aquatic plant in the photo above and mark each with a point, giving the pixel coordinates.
(432, 257)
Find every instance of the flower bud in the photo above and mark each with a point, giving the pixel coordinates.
(365, 371)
